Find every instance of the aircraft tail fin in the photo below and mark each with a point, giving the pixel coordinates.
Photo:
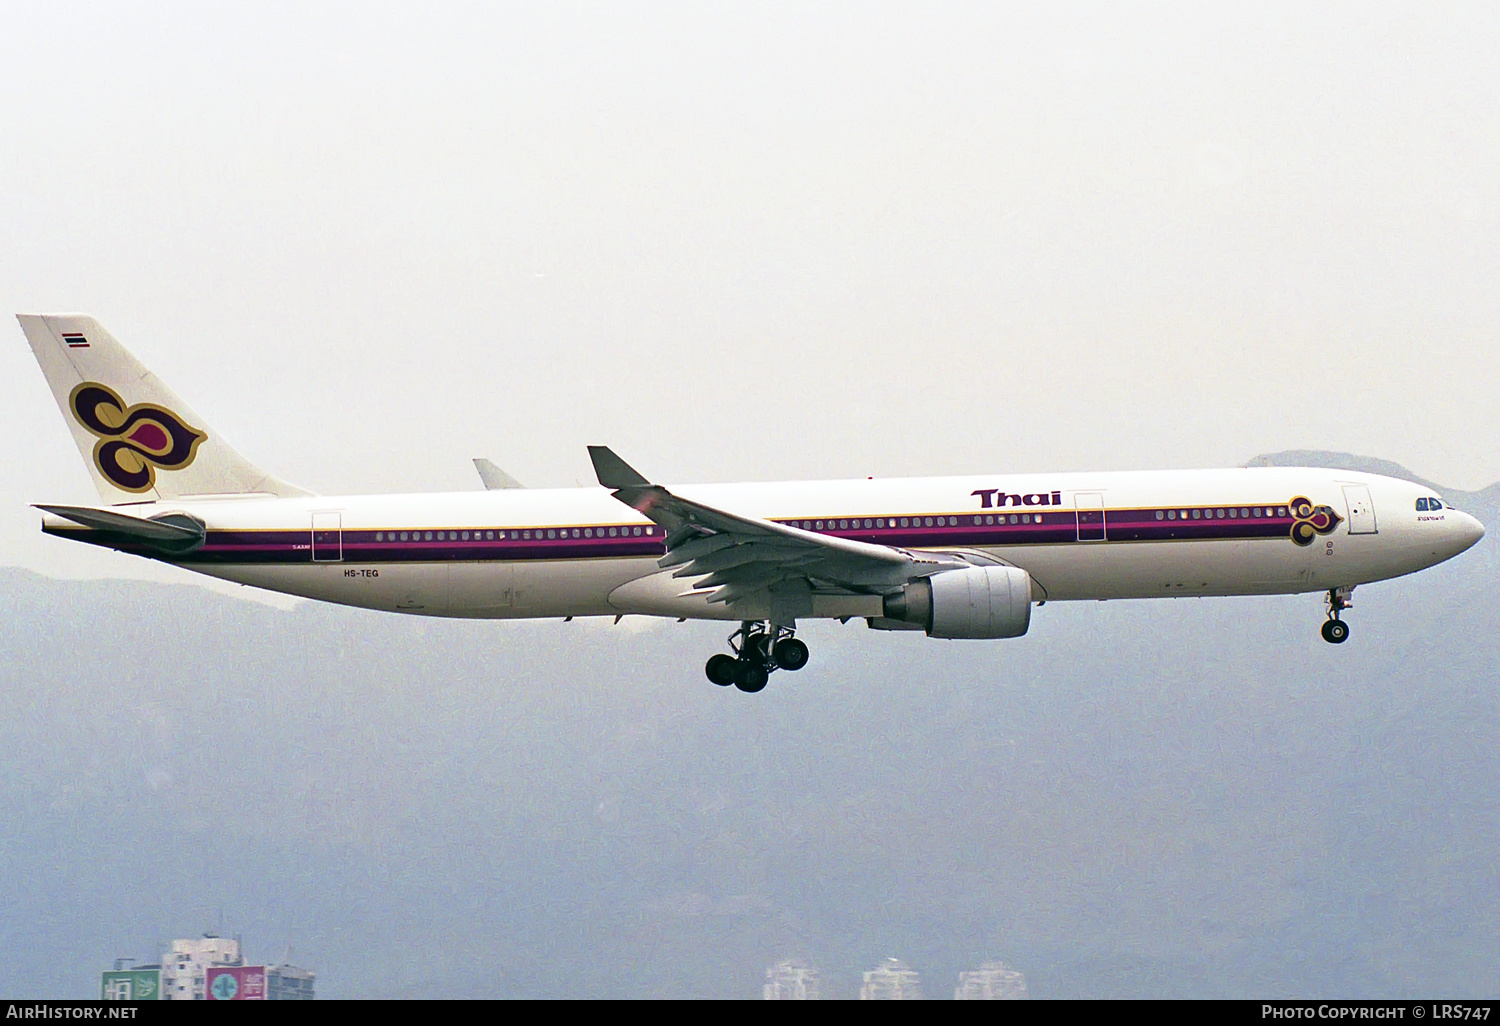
(140, 441)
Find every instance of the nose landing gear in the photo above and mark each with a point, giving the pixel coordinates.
(1335, 630)
(759, 648)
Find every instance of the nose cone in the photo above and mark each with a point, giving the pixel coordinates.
(1456, 533)
(1467, 531)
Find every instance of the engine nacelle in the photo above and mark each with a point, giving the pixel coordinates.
(978, 602)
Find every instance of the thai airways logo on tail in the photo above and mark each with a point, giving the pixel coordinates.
(133, 440)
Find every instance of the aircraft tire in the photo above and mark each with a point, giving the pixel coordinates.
(721, 669)
(1335, 632)
(790, 654)
(750, 677)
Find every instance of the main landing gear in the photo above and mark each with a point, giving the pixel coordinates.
(1335, 630)
(759, 648)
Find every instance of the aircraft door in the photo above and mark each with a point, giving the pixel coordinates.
(1090, 506)
(327, 537)
(1361, 509)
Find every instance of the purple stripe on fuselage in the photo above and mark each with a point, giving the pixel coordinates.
(1035, 527)
(1142, 525)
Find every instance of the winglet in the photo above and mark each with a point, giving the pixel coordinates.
(614, 472)
(493, 477)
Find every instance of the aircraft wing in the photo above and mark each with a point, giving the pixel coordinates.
(735, 556)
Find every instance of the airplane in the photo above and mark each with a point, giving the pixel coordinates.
(963, 557)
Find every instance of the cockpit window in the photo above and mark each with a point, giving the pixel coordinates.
(1422, 505)
(1434, 503)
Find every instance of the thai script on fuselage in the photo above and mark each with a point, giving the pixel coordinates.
(989, 498)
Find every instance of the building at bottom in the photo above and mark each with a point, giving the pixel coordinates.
(891, 980)
(791, 980)
(207, 968)
(992, 981)
(288, 983)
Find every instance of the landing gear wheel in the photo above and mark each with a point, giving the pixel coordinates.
(721, 669)
(1335, 632)
(790, 654)
(750, 677)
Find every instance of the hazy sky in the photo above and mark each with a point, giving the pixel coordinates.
(753, 241)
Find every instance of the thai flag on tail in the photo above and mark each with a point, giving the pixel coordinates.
(75, 340)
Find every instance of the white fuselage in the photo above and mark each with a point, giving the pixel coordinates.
(519, 553)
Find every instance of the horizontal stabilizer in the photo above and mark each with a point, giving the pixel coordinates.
(180, 533)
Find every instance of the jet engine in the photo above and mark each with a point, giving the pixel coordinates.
(977, 602)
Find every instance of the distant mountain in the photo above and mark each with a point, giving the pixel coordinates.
(1190, 798)
(1484, 504)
